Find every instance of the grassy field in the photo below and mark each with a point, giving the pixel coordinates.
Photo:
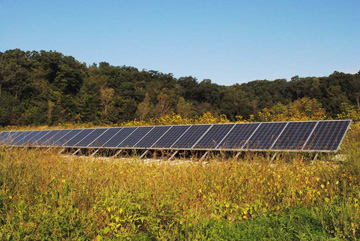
(44, 195)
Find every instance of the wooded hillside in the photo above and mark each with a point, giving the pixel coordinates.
(48, 88)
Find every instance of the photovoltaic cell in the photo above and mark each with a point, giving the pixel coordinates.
(68, 136)
(106, 136)
(17, 137)
(152, 136)
(57, 137)
(171, 136)
(42, 140)
(90, 138)
(25, 140)
(212, 138)
(265, 136)
(119, 137)
(36, 138)
(51, 136)
(327, 135)
(191, 136)
(72, 142)
(238, 136)
(3, 136)
(294, 136)
(136, 136)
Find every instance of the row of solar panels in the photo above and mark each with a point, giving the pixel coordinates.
(291, 136)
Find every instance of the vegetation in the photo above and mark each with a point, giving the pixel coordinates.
(44, 195)
(48, 88)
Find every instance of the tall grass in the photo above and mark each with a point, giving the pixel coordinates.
(44, 195)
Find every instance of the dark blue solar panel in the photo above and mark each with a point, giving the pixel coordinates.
(213, 137)
(294, 135)
(3, 137)
(49, 138)
(57, 137)
(135, 136)
(120, 137)
(36, 138)
(327, 135)
(150, 139)
(68, 136)
(238, 136)
(91, 137)
(17, 137)
(171, 136)
(84, 133)
(6, 137)
(25, 141)
(45, 138)
(265, 136)
(105, 137)
(191, 136)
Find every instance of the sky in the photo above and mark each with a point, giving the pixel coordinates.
(226, 41)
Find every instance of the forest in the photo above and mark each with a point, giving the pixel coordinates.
(49, 88)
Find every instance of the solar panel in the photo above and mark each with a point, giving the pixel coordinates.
(103, 138)
(265, 136)
(40, 140)
(213, 137)
(119, 137)
(327, 135)
(190, 138)
(36, 138)
(76, 139)
(171, 136)
(17, 137)
(3, 136)
(150, 139)
(25, 140)
(238, 136)
(136, 136)
(56, 141)
(90, 137)
(50, 138)
(294, 136)
(68, 136)
(318, 136)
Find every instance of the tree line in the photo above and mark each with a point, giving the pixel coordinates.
(48, 88)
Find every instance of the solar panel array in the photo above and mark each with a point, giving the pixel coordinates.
(321, 136)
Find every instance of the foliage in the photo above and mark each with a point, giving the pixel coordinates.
(299, 110)
(48, 88)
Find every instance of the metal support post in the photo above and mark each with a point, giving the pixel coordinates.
(273, 157)
(93, 154)
(117, 153)
(173, 155)
(203, 157)
(76, 152)
(315, 157)
(144, 154)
